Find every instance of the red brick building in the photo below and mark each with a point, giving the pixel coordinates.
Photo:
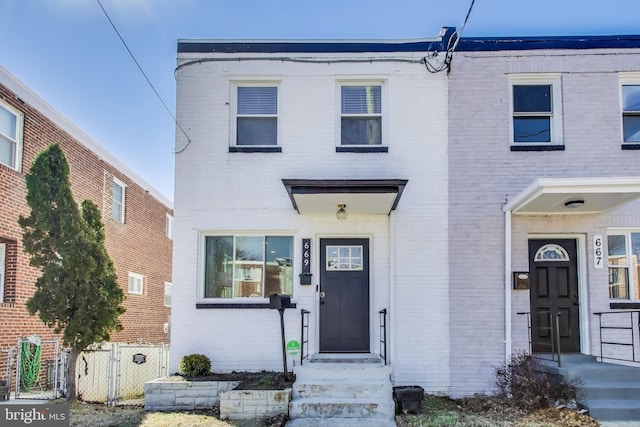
(138, 219)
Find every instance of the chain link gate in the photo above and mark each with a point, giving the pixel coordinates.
(40, 368)
(7, 358)
(115, 373)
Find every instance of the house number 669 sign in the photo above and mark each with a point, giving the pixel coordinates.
(598, 256)
(306, 256)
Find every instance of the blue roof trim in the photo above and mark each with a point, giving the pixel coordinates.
(323, 46)
(468, 44)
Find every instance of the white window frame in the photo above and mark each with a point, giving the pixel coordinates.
(233, 104)
(167, 293)
(383, 109)
(3, 274)
(19, 132)
(626, 79)
(553, 80)
(169, 226)
(137, 277)
(122, 202)
(632, 272)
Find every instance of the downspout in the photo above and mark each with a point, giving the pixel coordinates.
(507, 285)
(392, 287)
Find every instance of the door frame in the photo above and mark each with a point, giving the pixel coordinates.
(316, 260)
(581, 269)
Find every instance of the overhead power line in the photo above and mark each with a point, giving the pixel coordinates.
(145, 76)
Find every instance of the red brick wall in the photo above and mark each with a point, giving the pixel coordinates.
(139, 245)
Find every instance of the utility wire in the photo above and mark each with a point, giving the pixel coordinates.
(146, 78)
(455, 37)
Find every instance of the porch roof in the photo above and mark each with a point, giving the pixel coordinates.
(360, 196)
(564, 196)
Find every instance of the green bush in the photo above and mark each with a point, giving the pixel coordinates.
(525, 384)
(194, 365)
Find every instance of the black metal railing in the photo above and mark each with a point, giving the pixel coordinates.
(383, 334)
(554, 337)
(620, 331)
(304, 335)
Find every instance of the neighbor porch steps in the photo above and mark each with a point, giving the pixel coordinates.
(610, 392)
(341, 391)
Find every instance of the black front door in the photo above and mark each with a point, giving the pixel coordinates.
(554, 294)
(344, 295)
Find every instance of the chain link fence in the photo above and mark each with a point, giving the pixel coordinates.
(7, 363)
(115, 373)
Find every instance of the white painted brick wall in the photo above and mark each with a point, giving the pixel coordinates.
(484, 174)
(226, 192)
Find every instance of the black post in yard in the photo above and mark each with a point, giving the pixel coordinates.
(284, 351)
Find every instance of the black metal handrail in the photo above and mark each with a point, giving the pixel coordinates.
(554, 332)
(304, 335)
(383, 334)
(628, 336)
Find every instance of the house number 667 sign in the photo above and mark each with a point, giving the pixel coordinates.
(598, 256)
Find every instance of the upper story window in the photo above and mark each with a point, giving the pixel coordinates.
(118, 198)
(256, 116)
(10, 136)
(624, 270)
(247, 266)
(136, 283)
(169, 226)
(631, 113)
(360, 114)
(536, 112)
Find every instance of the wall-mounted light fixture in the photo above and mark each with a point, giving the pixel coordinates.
(342, 213)
(572, 204)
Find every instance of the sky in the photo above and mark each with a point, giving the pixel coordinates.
(67, 52)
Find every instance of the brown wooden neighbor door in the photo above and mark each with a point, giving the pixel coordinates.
(344, 295)
(554, 289)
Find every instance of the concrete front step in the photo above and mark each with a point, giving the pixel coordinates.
(332, 407)
(347, 389)
(614, 410)
(340, 422)
(342, 372)
(612, 391)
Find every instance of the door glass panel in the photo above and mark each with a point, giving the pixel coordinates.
(344, 258)
(551, 252)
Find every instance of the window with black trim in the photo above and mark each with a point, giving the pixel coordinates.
(247, 266)
(536, 112)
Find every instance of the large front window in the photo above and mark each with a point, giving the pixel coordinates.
(10, 137)
(361, 115)
(247, 266)
(624, 270)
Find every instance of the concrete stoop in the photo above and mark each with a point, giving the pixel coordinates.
(610, 392)
(342, 393)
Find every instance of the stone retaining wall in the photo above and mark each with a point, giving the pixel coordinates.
(175, 393)
(246, 404)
